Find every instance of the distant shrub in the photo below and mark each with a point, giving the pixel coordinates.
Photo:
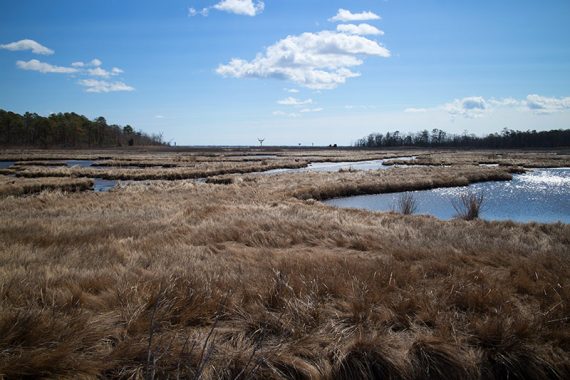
(407, 204)
(468, 206)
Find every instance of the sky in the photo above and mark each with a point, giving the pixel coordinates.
(227, 72)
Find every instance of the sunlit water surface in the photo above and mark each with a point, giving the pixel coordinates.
(541, 195)
(336, 166)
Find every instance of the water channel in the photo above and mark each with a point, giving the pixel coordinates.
(541, 195)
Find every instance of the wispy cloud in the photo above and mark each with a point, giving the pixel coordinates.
(90, 69)
(286, 114)
(291, 101)
(42, 67)
(309, 110)
(195, 12)
(31, 45)
(99, 86)
(345, 15)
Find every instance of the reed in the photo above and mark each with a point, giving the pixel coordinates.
(255, 279)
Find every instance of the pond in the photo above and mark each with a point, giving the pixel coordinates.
(80, 163)
(541, 195)
(102, 185)
(6, 164)
(336, 166)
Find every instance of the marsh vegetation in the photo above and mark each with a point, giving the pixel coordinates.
(250, 276)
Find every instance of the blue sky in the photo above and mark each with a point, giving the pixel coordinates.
(229, 71)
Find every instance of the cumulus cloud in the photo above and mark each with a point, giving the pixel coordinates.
(291, 90)
(238, 7)
(477, 106)
(470, 107)
(98, 86)
(345, 15)
(544, 105)
(42, 67)
(31, 45)
(361, 29)
(241, 7)
(291, 101)
(79, 68)
(315, 60)
(99, 72)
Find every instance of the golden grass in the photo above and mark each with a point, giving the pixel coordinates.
(530, 159)
(254, 279)
(17, 186)
(199, 170)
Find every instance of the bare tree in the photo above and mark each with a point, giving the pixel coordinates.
(261, 140)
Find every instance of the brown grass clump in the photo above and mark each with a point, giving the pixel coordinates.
(254, 280)
(469, 206)
(18, 186)
(406, 204)
(530, 159)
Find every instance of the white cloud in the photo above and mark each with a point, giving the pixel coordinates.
(363, 107)
(291, 101)
(27, 45)
(308, 110)
(361, 29)
(95, 62)
(470, 107)
(78, 64)
(281, 113)
(291, 90)
(344, 15)
(415, 110)
(159, 117)
(116, 71)
(476, 106)
(195, 12)
(544, 105)
(314, 60)
(98, 86)
(42, 67)
(99, 72)
(241, 7)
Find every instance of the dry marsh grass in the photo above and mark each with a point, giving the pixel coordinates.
(152, 172)
(17, 186)
(531, 159)
(253, 279)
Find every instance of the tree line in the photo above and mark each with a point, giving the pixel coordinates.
(508, 138)
(68, 130)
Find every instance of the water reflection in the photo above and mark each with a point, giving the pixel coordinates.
(80, 163)
(336, 166)
(6, 164)
(102, 185)
(542, 195)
